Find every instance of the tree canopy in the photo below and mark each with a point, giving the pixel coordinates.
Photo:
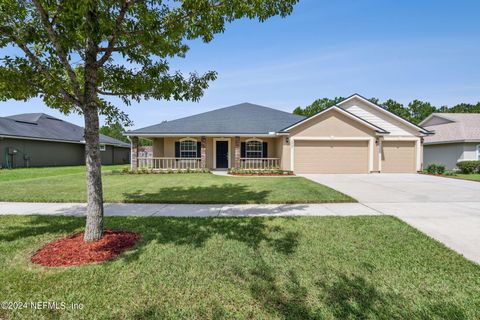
(75, 54)
(127, 44)
(114, 130)
(416, 111)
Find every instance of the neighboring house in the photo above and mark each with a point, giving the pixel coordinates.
(145, 152)
(354, 136)
(40, 140)
(456, 138)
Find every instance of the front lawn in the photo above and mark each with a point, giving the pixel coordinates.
(246, 268)
(473, 176)
(31, 173)
(60, 185)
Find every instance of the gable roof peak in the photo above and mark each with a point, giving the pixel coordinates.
(343, 111)
(384, 110)
(33, 117)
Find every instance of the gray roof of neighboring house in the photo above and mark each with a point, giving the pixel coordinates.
(244, 118)
(458, 127)
(43, 126)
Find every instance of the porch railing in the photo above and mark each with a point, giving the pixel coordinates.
(259, 163)
(153, 163)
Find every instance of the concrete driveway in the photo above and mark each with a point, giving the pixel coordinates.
(446, 209)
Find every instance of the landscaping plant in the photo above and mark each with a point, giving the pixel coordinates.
(260, 172)
(435, 169)
(468, 167)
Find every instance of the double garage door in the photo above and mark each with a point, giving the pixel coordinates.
(351, 156)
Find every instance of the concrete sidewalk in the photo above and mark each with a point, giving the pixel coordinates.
(190, 210)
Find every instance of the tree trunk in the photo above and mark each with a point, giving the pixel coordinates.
(94, 225)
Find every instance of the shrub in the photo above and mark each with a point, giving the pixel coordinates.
(468, 167)
(260, 172)
(168, 171)
(435, 168)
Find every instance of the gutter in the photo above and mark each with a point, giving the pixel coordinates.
(139, 134)
(57, 140)
(452, 141)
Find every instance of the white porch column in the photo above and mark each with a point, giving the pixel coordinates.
(419, 150)
(380, 146)
(236, 155)
(371, 152)
(134, 155)
(292, 154)
(203, 152)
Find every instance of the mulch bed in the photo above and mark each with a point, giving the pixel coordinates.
(73, 251)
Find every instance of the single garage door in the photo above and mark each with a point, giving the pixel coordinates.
(398, 156)
(331, 156)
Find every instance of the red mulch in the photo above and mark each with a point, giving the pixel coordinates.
(73, 251)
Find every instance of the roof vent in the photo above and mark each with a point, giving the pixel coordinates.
(26, 122)
(52, 118)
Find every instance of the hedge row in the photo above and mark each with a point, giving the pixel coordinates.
(471, 166)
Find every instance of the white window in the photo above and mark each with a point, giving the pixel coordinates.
(103, 147)
(254, 149)
(188, 149)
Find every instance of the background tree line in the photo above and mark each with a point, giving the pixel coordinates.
(116, 130)
(415, 111)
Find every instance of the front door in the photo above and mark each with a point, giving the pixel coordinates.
(221, 154)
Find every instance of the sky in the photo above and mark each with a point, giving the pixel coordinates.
(404, 50)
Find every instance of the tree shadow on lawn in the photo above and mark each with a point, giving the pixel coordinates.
(197, 231)
(341, 295)
(344, 296)
(164, 230)
(352, 296)
(225, 193)
(38, 225)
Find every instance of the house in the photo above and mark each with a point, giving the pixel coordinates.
(145, 151)
(457, 138)
(40, 140)
(354, 136)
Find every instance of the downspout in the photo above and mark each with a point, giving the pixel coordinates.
(131, 146)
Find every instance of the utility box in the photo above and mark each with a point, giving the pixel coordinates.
(12, 151)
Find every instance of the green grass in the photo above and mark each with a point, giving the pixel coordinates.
(473, 176)
(244, 268)
(68, 185)
(32, 173)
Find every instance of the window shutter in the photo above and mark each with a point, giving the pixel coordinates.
(242, 150)
(177, 149)
(265, 150)
(199, 149)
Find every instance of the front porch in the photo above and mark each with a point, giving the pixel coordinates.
(202, 153)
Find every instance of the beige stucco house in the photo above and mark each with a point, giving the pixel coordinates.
(354, 136)
(456, 138)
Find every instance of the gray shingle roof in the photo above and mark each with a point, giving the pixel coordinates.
(244, 118)
(461, 127)
(43, 126)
